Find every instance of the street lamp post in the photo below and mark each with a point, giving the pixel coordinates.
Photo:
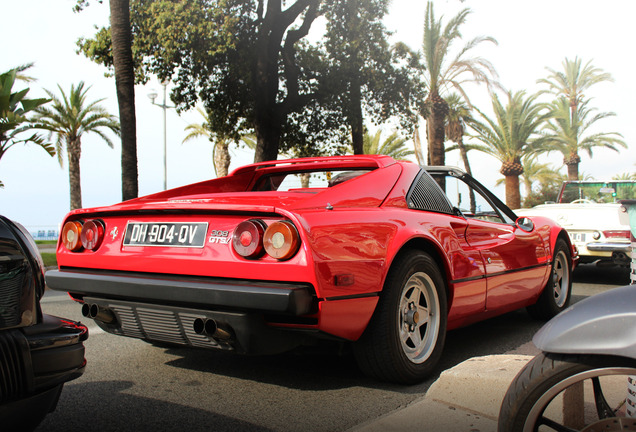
(153, 95)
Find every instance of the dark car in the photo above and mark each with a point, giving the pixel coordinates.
(38, 353)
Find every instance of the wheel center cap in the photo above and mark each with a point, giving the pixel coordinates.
(412, 317)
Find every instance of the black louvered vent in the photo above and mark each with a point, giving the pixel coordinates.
(12, 372)
(426, 195)
(10, 292)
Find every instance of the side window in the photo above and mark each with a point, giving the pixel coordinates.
(471, 203)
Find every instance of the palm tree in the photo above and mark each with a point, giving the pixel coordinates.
(566, 133)
(573, 81)
(442, 72)
(535, 172)
(220, 145)
(417, 145)
(14, 114)
(69, 118)
(456, 121)
(392, 146)
(20, 73)
(625, 176)
(508, 137)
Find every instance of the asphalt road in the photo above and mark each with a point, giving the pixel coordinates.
(130, 385)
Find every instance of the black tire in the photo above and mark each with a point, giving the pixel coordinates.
(405, 338)
(545, 378)
(557, 292)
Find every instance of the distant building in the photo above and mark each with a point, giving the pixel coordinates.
(44, 233)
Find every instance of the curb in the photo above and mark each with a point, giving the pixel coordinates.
(465, 398)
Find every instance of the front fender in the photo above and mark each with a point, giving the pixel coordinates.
(601, 324)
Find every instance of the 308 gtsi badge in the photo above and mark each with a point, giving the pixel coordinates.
(361, 250)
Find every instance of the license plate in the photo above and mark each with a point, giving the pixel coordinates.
(577, 237)
(171, 234)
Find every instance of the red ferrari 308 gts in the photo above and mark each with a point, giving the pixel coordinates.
(383, 254)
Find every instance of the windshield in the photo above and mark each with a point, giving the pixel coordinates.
(600, 192)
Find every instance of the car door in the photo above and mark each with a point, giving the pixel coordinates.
(515, 260)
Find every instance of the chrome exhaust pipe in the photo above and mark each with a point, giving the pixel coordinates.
(198, 326)
(98, 313)
(217, 332)
(86, 310)
(210, 327)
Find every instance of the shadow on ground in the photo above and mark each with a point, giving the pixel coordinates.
(81, 408)
(601, 275)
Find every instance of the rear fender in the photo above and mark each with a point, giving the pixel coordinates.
(602, 324)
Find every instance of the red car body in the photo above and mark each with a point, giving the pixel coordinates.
(349, 237)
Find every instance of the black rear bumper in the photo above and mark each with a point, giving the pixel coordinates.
(275, 298)
(35, 362)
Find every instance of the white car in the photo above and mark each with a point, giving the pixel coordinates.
(590, 212)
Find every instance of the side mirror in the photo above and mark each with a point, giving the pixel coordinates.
(525, 224)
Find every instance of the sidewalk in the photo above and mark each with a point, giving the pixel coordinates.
(465, 398)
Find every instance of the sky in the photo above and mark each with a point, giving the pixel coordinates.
(532, 36)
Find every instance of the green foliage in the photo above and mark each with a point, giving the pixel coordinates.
(366, 76)
(574, 80)
(570, 110)
(15, 110)
(49, 259)
(625, 176)
(81, 4)
(249, 63)
(567, 131)
(541, 195)
(393, 146)
(447, 68)
(508, 136)
(70, 117)
(220, 144)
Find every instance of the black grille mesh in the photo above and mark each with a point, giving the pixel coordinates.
(10, 292)
(12, 371)
(427, 195)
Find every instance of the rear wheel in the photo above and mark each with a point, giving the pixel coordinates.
(557, 292)
(406, 335)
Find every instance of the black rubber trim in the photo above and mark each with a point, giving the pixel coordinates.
(353, 296)
(295, 299)
(490, 275)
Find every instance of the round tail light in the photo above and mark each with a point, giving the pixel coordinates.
(247, 239)
(92, 234)
(71, 233)
(281, 240)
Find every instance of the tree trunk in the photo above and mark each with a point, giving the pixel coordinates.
(267, 140)
(74, 151)
(417, 143)
(513, 196)
(270, 114)
(266, 82)
(304, 179)
(222, 157)
(573, 171)
(355, 118)
(437, 109)
(464, 154)
(125, 84)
